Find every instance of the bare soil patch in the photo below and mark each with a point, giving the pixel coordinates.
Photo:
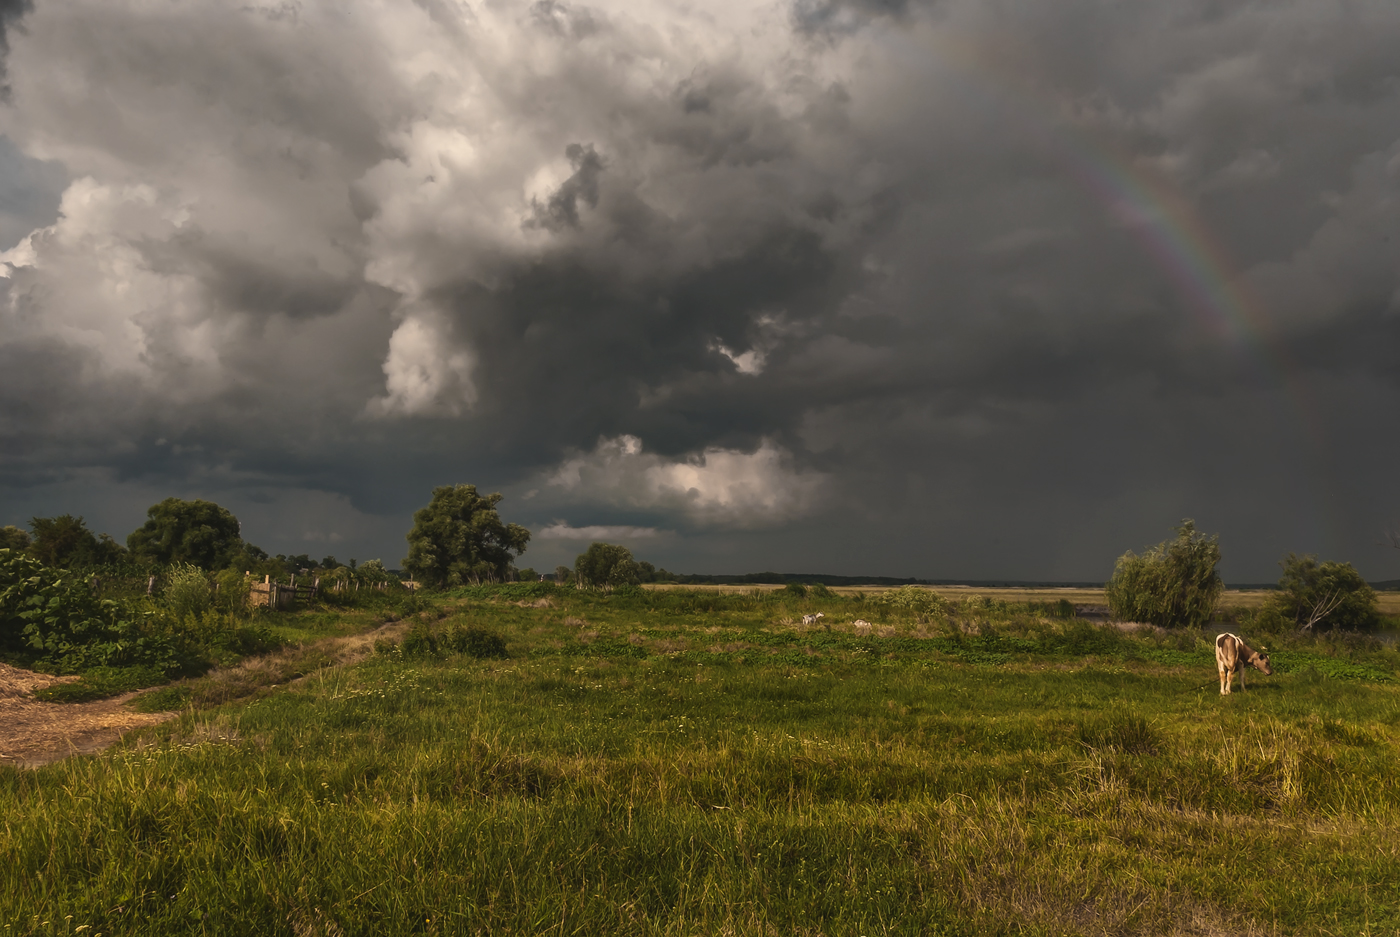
(34, 733)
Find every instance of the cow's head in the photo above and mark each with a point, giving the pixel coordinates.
(1261, 663)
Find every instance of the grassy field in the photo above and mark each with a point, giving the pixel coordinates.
(700, 762)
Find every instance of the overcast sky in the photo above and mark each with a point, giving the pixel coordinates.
(951, 289)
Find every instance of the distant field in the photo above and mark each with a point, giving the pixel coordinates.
(1389, 602)
(695, 762)
(1077, 596)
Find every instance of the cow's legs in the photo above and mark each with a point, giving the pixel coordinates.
(1224, 682)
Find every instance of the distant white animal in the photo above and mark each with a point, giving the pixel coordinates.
(1232, 656)
(862, 626)
(812, 619)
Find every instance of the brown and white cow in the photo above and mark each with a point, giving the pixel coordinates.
(1232, 656)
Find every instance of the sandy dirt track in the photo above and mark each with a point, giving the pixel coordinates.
(34, 733)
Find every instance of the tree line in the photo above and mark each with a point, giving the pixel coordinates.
(176, 532)
(459, 539)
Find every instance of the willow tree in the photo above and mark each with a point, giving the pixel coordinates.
(198, 532)
(1171, 584)
(459, 538)
(605, 566)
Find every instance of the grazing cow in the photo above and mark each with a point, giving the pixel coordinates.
(1232, 656)
(812, 619)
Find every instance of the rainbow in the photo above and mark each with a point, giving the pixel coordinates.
(1173, 235)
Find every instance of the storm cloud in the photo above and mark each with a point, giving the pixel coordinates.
(939, 289)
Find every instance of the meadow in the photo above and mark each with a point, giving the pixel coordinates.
(700, 762)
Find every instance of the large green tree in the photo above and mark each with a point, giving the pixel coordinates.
(198, 532)
(459, 538)
(65, 541)
(1171, 584)
(605, 566)
(14, 538)
(1324, 596)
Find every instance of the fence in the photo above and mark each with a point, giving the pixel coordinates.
(277, 596)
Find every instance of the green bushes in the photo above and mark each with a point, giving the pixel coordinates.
(51, 619)
(422, 642)
(1173, 584)
(1324, 596)
(913, 600)
(187, 593)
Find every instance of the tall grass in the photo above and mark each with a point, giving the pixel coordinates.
(692, 765)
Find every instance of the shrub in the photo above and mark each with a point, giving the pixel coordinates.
(796, 589)
(419, 642)
(51, 619)
(913, 600)
(233, 590)
(480, 643)
(187, 593)
(1171, 584)
(1324, 596)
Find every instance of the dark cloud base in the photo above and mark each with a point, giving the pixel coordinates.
(841, 274)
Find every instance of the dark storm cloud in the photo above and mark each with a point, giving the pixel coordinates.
(900, 287)
(11, 12)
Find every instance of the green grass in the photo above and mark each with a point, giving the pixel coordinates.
(691, 765)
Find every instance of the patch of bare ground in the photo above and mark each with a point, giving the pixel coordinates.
(34, 733)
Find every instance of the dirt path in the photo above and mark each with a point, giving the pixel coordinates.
(33, 733)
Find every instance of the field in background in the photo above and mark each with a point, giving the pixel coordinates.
(699, 762)
(1388, 602)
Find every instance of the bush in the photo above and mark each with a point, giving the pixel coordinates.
(796, 589)
(51, 619)
(187, 593)
(1173, 584)
(232, 593)
(913, 600)
(1324, 596)
(480, 643)
(419, 642)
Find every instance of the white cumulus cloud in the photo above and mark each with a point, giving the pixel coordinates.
(719, 487)
(560, 530)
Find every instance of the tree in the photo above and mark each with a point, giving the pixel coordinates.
(563, 575)
(197, 532)
(605, 566)
(65, 541)
(1323, 596)
(13, 538)
(1173, 583)
(459, 538)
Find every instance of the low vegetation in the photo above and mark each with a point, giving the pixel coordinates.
(687, 762)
